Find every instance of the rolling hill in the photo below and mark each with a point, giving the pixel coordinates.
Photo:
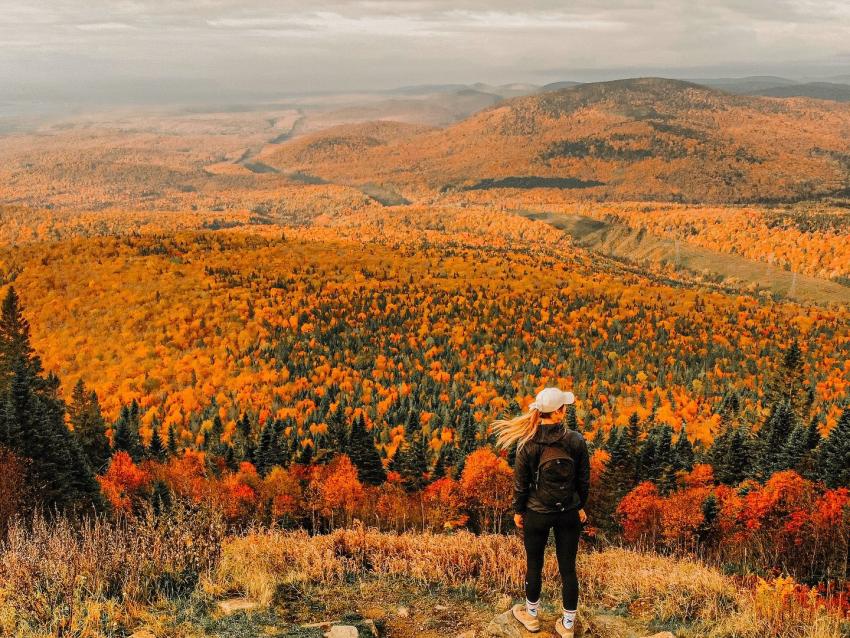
(818, 90)
(637, 139)
(746, 85)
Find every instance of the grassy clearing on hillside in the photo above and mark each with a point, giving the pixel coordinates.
(621, 241)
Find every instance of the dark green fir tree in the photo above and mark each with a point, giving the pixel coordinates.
(364, 454)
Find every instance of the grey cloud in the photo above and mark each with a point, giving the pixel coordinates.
(326, 44)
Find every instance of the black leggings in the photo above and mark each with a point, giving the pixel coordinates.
(567, 528)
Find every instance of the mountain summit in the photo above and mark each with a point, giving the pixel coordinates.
(643, 138)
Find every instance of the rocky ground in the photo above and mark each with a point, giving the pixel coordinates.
(376, 609)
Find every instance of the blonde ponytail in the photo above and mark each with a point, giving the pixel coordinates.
(519, 430)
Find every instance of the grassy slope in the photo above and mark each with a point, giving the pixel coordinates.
(623, 242)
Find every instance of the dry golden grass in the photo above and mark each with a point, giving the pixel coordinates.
(99, 580)
(657, 589)
(58, 578)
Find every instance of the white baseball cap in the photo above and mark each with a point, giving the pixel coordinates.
(552, 400)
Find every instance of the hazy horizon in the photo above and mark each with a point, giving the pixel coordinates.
(152, 51)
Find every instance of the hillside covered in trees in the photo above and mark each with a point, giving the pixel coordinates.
(639, 139)
(349, 371)
(205, 326)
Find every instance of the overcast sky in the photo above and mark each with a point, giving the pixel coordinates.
(60, 47)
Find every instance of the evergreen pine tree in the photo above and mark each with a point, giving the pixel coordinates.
(398, 461)
(126, 435)
(411, 425)
(15, 347)
(364, 454)
(33, 419)
(789, 386)
(156, 450)
(793, 451)
(813, 437)
(617, 478)
(657, 458)
(89, 427)
(172, 441)
(270, 451)
(772, 439)
(731, 455)
(684, 451)
(467, 439)
(262, 454)
(51, 459)
(244, 448)
(85, 488)
(305, 455)
(417, 462)
(648, 463)
(730, 406)
(440, 464)
(212, 438)
(161, 497)
(229, 457)
(337, 430)
(835, 453)
(632, 443)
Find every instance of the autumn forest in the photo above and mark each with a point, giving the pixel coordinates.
(279, 320)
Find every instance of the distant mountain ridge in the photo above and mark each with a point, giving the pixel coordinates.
(645, 138)
(818, 90)
(771, 86)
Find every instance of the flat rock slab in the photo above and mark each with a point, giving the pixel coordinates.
(662, 634)
(366, 627)
(232, 605)
(342, 631)
(506, 626)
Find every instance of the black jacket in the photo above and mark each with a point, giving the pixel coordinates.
(528, 457)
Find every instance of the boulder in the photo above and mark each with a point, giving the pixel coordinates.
(662, 634)
(402, 612)
(505, 626)
(232, 605)
(143, 633)
(329, 628)
(342, 631)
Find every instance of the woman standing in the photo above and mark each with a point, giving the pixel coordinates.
(551, 484)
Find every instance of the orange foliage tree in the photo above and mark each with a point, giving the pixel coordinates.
(125, 485)
(487, 484)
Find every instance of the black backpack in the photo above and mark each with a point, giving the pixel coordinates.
(555, 480)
